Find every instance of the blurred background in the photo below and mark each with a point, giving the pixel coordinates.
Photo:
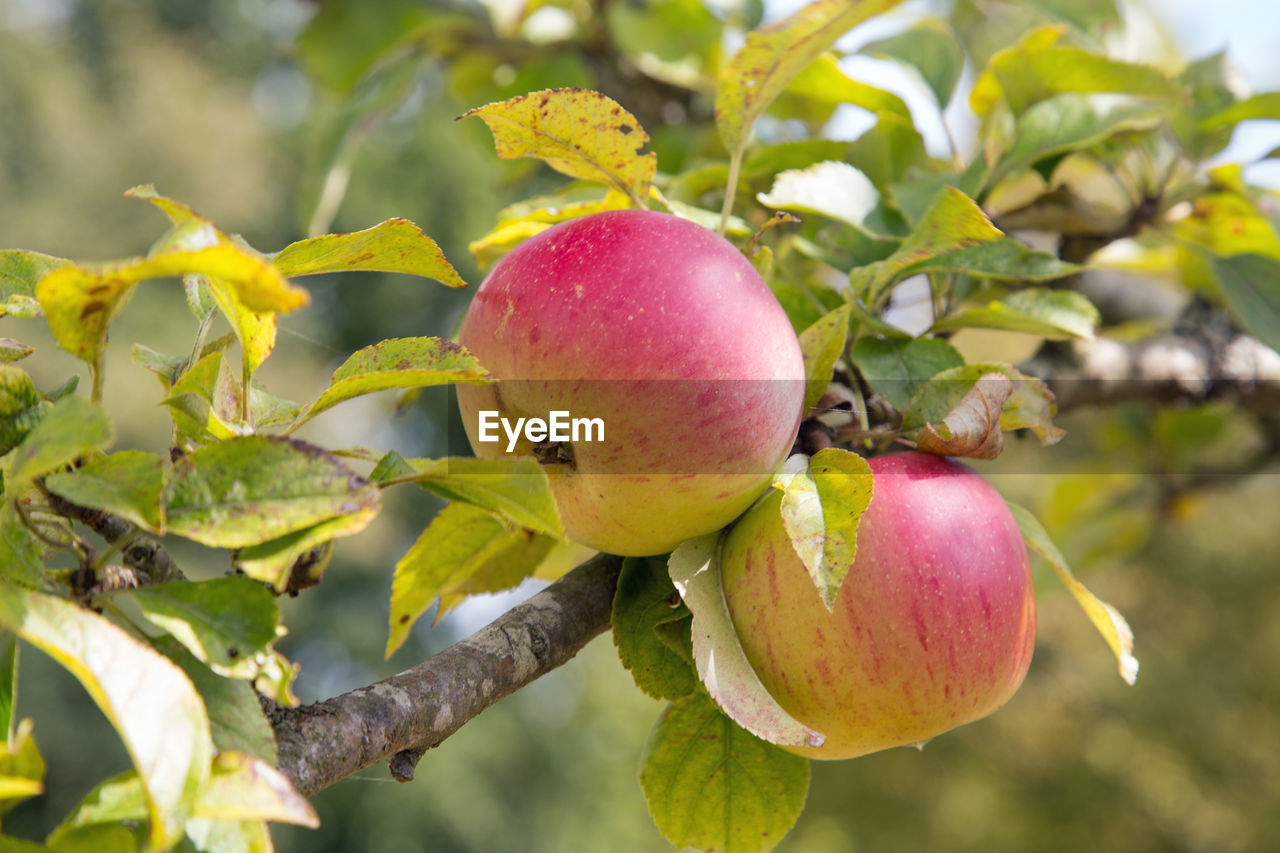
(260, 114)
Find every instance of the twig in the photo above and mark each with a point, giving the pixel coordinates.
(409, 713)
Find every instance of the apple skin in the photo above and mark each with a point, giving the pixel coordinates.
(667, 333)
(932, 628)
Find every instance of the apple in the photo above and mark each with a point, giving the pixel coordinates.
(933, 626)
(664, 335)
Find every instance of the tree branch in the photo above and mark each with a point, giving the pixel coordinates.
(403, 716)
(1192, 365)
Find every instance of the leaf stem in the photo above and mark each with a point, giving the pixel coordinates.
(730, 189)
(96, 373)
(115, 547)
(246, 385)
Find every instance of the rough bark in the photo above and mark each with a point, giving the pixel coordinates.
(403, 716)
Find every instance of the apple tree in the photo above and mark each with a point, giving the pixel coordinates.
(870, 279)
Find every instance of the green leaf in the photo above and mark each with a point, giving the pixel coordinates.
(244, 788)
(252, 489)
(341, 42)
(398, 363)
(461, 541)
(1069, 123)
(238, 788)
(952, 222)
(1030, 405)
(710, 785)
(721, 663)
(577, 132)
(19, 272)
(21, 560)
(12, 350)
(1265, 105)
(396, 245)
(236, 721)
(199, 296)
(169, 368)
(8, 682)
(1037, 69)
(1094, 17)
(69, 430)
(822, 345)
(1005, 259)
(1251, 286)
(225, 622)
(149, 700)
(205, 403)
(21, 765)
(888, 152)
(1113, 627)
(832, 189)
(274, 562)
(21, 406)
(676, 41)
(897, 368)
(644, 600)
(127, 484)
(119, 798)
(775, 55)
(825, 84)
(514, 488)
(1054, 314)
(822, 501)
(932, 50)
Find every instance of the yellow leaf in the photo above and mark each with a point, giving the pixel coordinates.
(775, 55)
(577, 132)
(511, 231)
(1110, 624)
(396, 245)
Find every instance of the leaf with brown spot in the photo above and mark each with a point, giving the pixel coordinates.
(252, 489)
(397, 363)
(972, 428)
(396, 245)
(578, 133)
(81, 300)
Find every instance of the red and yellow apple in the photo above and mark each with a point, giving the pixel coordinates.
(666, 335)
(933, 626)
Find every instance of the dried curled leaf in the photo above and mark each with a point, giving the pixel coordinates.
(972, 428)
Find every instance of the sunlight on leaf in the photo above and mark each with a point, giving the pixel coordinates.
(396, 245)
(823, 499)
(147, 698)
(722, 665)
(776, 54)
(1113, 627)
